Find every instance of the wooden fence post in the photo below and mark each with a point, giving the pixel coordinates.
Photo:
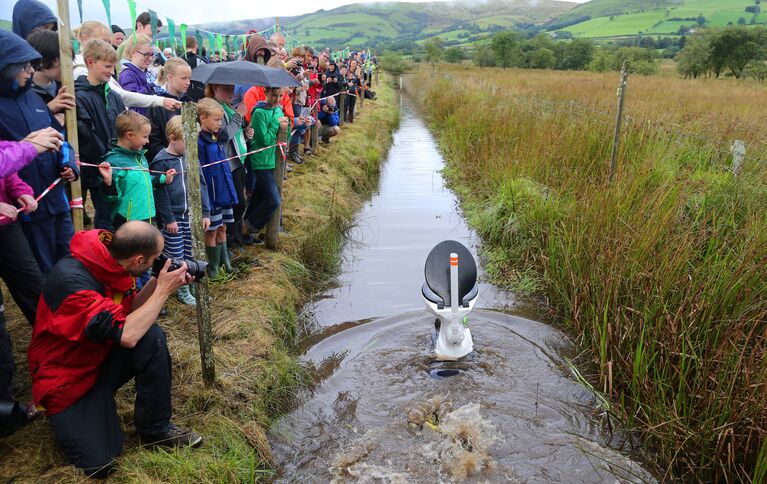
(68, 81)
(738, 151)
(204, 326)
(619, 118)
(273, 227)
(376, 76)
(341, 105)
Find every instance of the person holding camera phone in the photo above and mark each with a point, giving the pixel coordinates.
(333, 81)
(94, 333)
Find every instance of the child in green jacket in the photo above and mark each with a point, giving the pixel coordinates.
(267, 120)
(129, 192)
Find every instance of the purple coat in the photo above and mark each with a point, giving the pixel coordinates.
(13, 157)
(134, 79)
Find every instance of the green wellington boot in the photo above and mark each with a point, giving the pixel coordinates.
(214, 260)
(226, 263)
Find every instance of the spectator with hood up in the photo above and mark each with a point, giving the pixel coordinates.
(49, 229)
(257, 52)
(31, 14)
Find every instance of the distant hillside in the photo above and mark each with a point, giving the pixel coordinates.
(620, 18)
(363, 25)
(606, 8)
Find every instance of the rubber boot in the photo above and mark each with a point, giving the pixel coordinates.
(185, 297)
(214, 261)
(226, 263)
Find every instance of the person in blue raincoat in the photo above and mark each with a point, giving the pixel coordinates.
(31, 14)
(22, 111)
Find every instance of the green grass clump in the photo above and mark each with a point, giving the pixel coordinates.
(661, 274)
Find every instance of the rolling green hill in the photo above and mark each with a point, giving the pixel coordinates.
(618, 18)
(363, 25)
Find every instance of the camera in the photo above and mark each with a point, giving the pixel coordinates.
(194, 268)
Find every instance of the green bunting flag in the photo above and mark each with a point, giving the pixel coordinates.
(132, 8)
(219, 43)
(198, 36)
(108, 9)
(211, 44)
(80, 9)
(172, 33)
(153, 23)
(182, 31)
(227, 39)
(245, 42)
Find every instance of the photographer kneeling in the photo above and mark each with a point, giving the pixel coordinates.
(94, 333)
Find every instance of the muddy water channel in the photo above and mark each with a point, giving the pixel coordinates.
(384, 411)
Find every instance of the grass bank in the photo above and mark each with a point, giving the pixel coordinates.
(660, 274)
(255, 329)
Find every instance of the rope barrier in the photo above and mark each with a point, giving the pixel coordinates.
(78, 202)
(147, 170)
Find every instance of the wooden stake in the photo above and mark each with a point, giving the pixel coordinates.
(619, 118)
(68, 81)
(204, 326)
(273, 227)
(341, 105)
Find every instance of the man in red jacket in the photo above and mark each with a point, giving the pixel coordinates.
(94, 333)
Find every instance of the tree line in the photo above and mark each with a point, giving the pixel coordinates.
(736, 51)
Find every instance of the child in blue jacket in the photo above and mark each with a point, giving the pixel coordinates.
(22, 111)
(218, 176)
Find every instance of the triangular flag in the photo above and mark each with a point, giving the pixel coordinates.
(172, 33)
(153, 23)
(108, 9)
(80, 9)
(182, 31)
(211, 44)
(132, 8)
(219, 43)
(198, 36)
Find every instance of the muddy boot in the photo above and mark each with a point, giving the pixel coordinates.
(185, 297)
(226, 261)
(214, 261)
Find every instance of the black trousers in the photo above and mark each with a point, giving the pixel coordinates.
(7, 366)
(19, 270)
(234, 230)
(89, 432)
(348, 113)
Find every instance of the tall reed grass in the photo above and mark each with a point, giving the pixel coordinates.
(660, 274)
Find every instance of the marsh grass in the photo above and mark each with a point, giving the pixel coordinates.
(660, 274)
(254, 325)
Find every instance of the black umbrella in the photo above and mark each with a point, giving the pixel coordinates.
(243, 72)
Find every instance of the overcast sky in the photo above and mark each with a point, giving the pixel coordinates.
(194, 11)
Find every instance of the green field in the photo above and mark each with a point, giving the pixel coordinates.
(718, 13)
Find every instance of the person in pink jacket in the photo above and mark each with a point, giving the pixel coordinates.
(18, 268)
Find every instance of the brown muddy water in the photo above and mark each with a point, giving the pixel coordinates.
(384, 411)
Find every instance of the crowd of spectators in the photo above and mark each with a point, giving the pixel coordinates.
(93, 297)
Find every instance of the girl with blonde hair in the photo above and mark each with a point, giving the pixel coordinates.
(173, 82)
(135, 75)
